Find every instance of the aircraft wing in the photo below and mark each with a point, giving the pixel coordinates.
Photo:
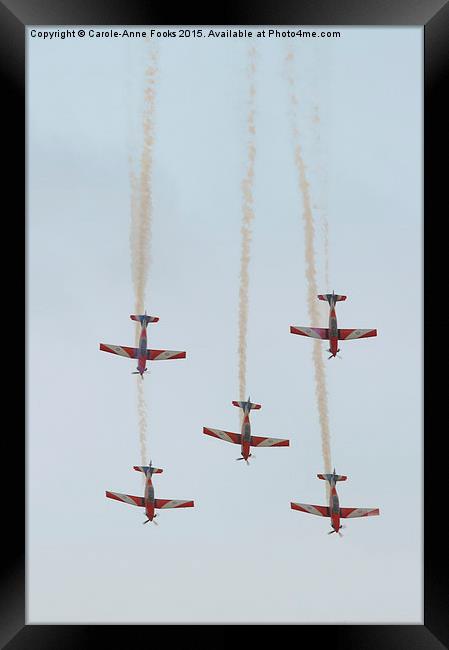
(313, 332)
(172, 503)
(126, 498)
(321, 511)
(258, 441)
(347, 513)
(121, 350)
(160, 355)
(227, 436)
(347, 335)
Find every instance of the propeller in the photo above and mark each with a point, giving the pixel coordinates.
(154, 522)
(336, 354)
(336, 531)
(245, 459)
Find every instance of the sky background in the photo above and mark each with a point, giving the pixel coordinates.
(241, 555)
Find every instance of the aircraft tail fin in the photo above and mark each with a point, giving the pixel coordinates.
(328, 477)
(143, 318)
(145, 468)
(243, 404)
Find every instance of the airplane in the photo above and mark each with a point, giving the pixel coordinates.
(142, 353)
(245, 439)
(333, 510)
(148, 501)
(332, 333)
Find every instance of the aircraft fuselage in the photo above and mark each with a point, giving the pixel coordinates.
(334, 508)
(333, 331)
(149, 497)
(142, 350)
(246, 436)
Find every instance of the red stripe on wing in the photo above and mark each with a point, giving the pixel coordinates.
(118, 349)
(160, 503)
(322, 511)
(312, 332)
(257, 440)
(358, 512)
(236, 438)
(153, 354)
(126, 498)
(344, 334)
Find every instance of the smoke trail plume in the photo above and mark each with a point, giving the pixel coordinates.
(245, 230)
(312, 302)
(320, 198)
(326, 252)
(141, 197)
(142, 413)
(140, 232)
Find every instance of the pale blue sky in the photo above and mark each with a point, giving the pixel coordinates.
(241, 555)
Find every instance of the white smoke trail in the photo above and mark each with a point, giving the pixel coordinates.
(312, 302)
(142, 413)
(320, 198)
(245, 230)
(320, 203)
(326, 252)
(143, 213)
(134, 234)
(140, 231)
(320, 147)
(326, 282)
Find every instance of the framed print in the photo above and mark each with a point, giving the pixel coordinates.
(245, 198)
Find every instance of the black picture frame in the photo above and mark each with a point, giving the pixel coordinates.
(433, 15)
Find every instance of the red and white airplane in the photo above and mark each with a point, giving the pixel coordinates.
(245, 439)
(142, 353)
(332, 333)
(333, 510)
(148, 501)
